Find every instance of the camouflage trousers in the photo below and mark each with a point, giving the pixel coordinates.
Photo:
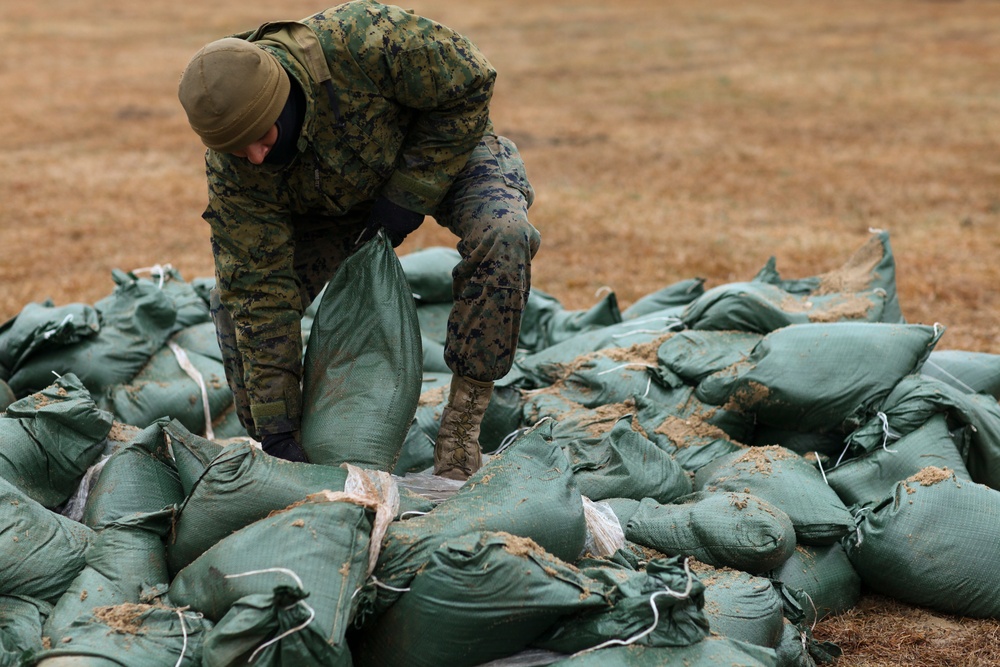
(487, 209)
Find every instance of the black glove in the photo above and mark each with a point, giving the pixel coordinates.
(283, 446)
(393, 218)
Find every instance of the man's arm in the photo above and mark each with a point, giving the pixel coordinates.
(253, 249)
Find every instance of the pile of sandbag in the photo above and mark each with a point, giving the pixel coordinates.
(696, 479)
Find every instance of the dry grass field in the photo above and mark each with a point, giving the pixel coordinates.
(665, 139)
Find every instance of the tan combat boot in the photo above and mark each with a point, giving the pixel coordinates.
(456, 452)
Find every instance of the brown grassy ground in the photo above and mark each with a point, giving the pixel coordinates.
(666, 140)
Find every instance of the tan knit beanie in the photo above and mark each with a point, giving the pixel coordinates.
(233, 93)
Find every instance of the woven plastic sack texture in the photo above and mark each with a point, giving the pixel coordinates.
(694, 355)
(916, 398)
(481, 597)
(659, 605)
(693, 432)
(742, 606)
(240, 486)
(21, 620)
(869, 478)
(939, 531)
(973, 372)
(163, 388)
(623, 463)
(527, 490)
(787, 481)
(44, 325)
(763, 308)
(730, 529)
(859, 363)
(361, 378)
(49, 549)
(50, 439)
(271, 630)
(138, 478)
(871, 267)
(545, 322)
(826, 575)
(321, 546)
(428, 273)
(710, 652)
(136, 320)
(125, 560)
(675, 295)
(130, 635)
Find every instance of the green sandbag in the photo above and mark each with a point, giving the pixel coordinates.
(871, 267)
(870, 478)
(240, 486)
(247, 634)
(710, 652)
(694, 355)
(433, 356)
(742, 606)
(125, 559)
(526, 490)
(674, 295)
(191, 453)
(787, 481)
(623, 463)
(939, 534)
(189, 299)
(361, 374)
(665, 584)
(859, 364)
(41, 326)
(481, 597)
(762, 308)
(320, 545)
(542, 368)
(694, 433)
(136, 320)
(433, 321)
(49, 548)
(163, 388)
(972, 372)
(21, 620)
(735, 530)
(545, 322)
(428, 273)
(811, 444)
(916, 398)
(827, 577)
(50, 439)
(130, 635)
(609, 375)
(138, 478)
(201, 339)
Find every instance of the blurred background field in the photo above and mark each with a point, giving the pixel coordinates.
(665, 140)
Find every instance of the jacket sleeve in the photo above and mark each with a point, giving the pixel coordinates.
(447, 82)
(254, 254)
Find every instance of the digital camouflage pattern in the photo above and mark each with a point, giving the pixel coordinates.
(396, 105)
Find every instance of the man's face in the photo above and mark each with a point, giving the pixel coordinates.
(258, 150)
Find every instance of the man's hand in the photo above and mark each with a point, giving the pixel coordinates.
(283, 446)
(394, 219)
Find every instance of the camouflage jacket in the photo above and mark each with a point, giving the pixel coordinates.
(395, 104)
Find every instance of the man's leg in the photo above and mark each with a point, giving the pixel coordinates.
(487, 208)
